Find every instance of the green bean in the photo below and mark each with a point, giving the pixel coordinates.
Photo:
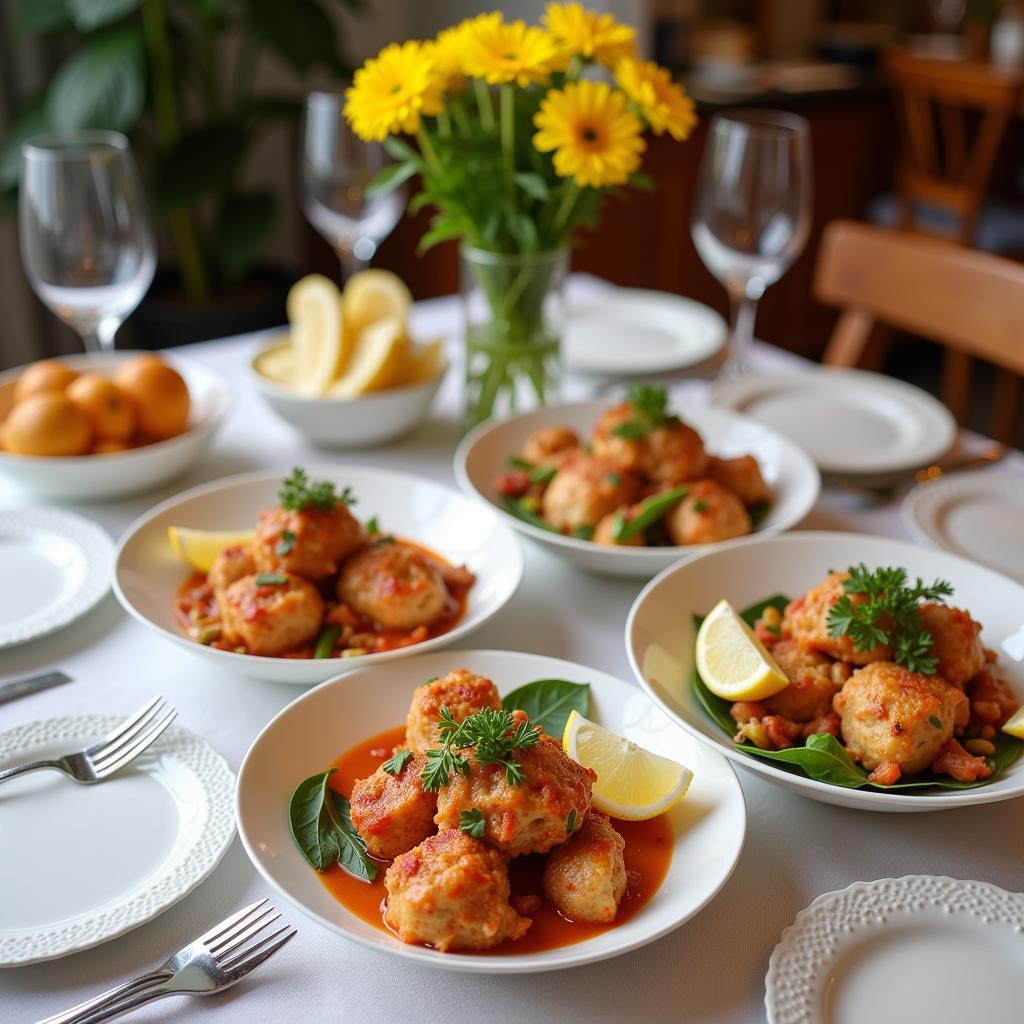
(325, 641)
(520, 512)
(650, 511)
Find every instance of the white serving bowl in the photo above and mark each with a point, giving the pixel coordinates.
(148, 573)
(660, 638)
(362, 422)
(791, 476)
(708, 825)
(103, 477)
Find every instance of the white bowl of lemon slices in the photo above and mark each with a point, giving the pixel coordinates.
(347, 374)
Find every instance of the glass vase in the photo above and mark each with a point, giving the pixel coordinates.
(514, 308)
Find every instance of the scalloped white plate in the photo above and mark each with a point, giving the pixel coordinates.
(62, 564)
(84, 864)
(917, 948)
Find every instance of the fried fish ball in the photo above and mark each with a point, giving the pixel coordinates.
(742, 476)
(890, 714)
(585, 878)
(530, 817)
(584, 489)
(806, 620)
(955, 641)
(812, 683)
(548, 443)
(393, 813)
(707, 514)
(451, 892)
(271, 618)
(624, 452)
(674, 453)
(395, 585)
(311, 543)
(603, 532)
(462, 692)
(230, 565)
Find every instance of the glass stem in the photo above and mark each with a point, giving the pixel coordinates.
(744, 316)
(350, 263)
(100, 338)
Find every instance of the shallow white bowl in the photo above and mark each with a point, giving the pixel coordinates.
(147, 572)
(790, 474)
(310, 733)
(660, 638)
(372, 419)
(102, 477)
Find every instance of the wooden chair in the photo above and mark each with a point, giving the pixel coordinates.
(969, 301)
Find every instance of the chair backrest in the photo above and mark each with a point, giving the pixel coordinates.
(969, 301)
(953, 115)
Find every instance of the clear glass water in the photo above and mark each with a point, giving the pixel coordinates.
(337, 167)
(753, 211)
(86, 241)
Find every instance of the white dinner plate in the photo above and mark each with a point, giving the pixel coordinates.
(84, 864)
(793, 480)
(634, 331)
(660, 639)
(897, 950)
(148, 573)
(321, 725)
(850, 421)
(57, 566)
(977, 515)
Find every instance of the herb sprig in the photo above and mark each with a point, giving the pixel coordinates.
(298, 492)
(888, 614)
(649, 407)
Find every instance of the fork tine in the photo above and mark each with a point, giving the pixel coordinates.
(229, 923)
(242, 963)
(107, 749)
(109, 767)
(229, 943)
(127, 724)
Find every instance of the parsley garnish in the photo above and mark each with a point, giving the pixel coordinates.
(270, 579)
(371, 526)
(699, 505)
(394, 764)
(299, 492)
(888, 614)
(935, 721)
(649, 407)
(384, 538)
(473, 822)
(285, 544)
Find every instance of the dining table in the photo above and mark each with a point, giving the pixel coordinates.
(710, 970)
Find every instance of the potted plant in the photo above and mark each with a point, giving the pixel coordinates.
(179, 77)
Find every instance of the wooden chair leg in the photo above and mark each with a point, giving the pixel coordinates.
(956, 384)
(850, 338)
(1006, 406)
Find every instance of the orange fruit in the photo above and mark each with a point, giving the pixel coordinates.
(110, 409)
(107, 445)
(47, 423)
(159, 393)
(46, 375)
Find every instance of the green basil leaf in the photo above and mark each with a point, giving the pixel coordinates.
(548, 703)
(823, 758)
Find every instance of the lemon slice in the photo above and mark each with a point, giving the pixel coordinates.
(733, 663)
(632, 783)
(319, 346)
(278, 364)
(200, 548)
(380, 360)
(1014, 725)
(426, 361)
(371, 296)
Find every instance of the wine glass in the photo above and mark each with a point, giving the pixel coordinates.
(337, 167)
(753, 211)
(85, 235)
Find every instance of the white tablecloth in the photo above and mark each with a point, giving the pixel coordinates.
(710, 970)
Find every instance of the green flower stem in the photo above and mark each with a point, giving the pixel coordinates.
(484, 104)
(444, 123)
(460, 117)
(427, 149)
(508, 137)
(563, 213)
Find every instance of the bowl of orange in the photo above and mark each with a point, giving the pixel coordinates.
(106, 425)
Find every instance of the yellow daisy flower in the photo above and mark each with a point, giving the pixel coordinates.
(590, 35)
(448, 50)
(500, 52)
(392, 91)
(595, 138)
(664, 104)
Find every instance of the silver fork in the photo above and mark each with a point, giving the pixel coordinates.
(113, 752)
(213, 962)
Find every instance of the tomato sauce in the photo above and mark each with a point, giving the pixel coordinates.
(648, 855)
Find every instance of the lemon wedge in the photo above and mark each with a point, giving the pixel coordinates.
(200, 548)
(733, 663)
(278, 364)
(1014, 725)
(320, 347)
(632, 783)
(371, 296)
(426, 361)
(380, 360)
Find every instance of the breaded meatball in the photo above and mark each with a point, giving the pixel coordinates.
(451, 892)
(890, 714)
(992, 700)
(806, 620)
(548, 443)
(707, 514)
(461, 692)
(584, 489)
(812, 683)
(603, 532)
(231, 564)
(395, 585)
(585, 878)
(955, 642)
(742, 476)
(674, 453)
(626, 453)
(393, 812)
(311, 543)
(271, 618)
(531, 817)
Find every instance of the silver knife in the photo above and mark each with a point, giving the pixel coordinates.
(31, 684)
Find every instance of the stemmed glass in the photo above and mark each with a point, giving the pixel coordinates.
(86, 241)
(337, 167)
(753, 211)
